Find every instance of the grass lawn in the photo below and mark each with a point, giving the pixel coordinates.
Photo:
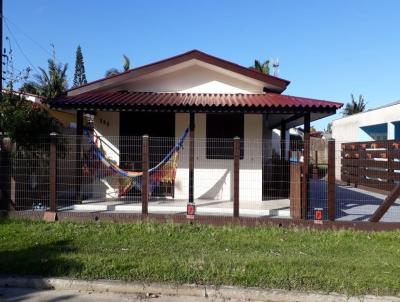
(341, 261)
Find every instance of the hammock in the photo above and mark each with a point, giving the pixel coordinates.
(164, 171)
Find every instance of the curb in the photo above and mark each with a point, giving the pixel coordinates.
(210, 291)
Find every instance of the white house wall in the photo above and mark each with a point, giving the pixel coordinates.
(213, 177)
(107, 127)
(194, 79)
(347, 129)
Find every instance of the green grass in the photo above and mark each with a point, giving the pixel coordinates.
(331, 261)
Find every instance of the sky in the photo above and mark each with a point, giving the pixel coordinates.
(327, 49)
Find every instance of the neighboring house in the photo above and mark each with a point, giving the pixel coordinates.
(382, 123)
(216, 98)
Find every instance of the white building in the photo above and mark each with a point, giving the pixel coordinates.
(219, 98)
(382, 123)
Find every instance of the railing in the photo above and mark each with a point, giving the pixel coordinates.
(371, 164)
(248, 178)
(231, 178)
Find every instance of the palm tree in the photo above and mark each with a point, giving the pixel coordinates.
(354, 106)
(127, 63)
(114, 71)
(53, 82)
(263, 68)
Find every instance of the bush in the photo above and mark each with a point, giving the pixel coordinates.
(25, 122)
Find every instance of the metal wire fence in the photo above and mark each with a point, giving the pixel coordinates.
(95, 173)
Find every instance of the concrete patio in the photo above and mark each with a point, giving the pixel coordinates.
(279, 207)
(352, 204)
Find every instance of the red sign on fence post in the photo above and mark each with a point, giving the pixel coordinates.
(318, 215)
(190, 210)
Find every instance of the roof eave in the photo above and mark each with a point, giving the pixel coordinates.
(280, 83)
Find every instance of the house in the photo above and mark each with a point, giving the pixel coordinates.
(381, 123)
(217, 100)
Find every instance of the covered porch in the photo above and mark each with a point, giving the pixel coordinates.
(209, 171)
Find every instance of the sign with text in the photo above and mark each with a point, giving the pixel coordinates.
(190, 211)
(318, 215)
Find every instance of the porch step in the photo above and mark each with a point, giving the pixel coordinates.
(137, 208)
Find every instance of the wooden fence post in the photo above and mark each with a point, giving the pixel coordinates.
(306, 166)
(331, 181)
(78, 151)
(295, 190)
(390, 159)
(5, 173)
(387, 203)
(51, 215)
(236, 166)
(145, 176)
(191, 157)
(53, 172)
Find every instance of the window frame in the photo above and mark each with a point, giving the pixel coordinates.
(219, 140)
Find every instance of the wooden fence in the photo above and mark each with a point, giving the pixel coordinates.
(371, 164)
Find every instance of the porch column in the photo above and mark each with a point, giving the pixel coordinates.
(191, 157)
(306, 162)
(283, 140)
(78, 147)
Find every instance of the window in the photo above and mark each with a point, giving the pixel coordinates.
(220, 131)
(374, 132)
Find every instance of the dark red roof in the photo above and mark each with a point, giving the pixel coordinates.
(201, 56)
(137, 100)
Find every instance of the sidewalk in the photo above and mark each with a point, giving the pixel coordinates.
(57, 289)
(36, 295)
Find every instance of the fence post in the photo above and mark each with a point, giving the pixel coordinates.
(145, 176)
(78, 151)
(315, 168)
(390, 158)
(191, 157)
(51, 215)
(306, 163)
(236, 166)
(5, 173)
(295, 190)
(331, 181)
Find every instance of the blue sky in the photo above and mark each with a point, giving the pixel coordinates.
(327, 49)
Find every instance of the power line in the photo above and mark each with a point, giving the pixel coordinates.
(27, 36)
(19, 47)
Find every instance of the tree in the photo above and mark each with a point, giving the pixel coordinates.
(329, 128)
(53, 82)
(354, 106)
(30, 87)
(80, 75)
(26, 122)
(261, 67)
(313, 129)
(114, 71)
(127, 63)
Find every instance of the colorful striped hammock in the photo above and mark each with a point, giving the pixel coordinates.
(163, 172)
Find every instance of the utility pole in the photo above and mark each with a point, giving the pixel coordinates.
(1, 49)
